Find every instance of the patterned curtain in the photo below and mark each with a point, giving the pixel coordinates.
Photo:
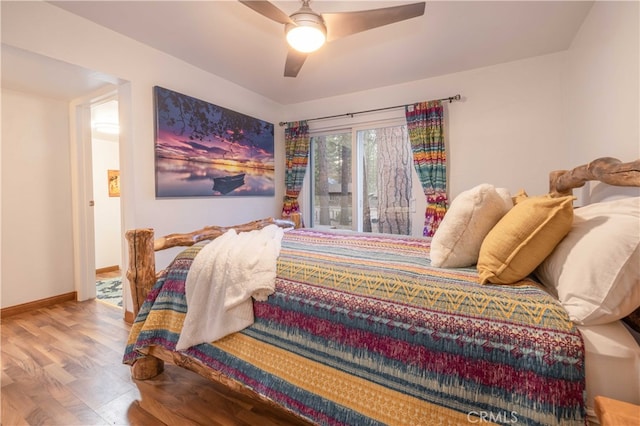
(296, 140)
(424, 122)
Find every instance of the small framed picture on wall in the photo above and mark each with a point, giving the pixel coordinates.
(114, 182)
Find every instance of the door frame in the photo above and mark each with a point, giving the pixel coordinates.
(82, 190)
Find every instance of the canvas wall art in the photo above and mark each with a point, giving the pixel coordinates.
(203, 150)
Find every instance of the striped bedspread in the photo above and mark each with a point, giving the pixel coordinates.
(363, 331)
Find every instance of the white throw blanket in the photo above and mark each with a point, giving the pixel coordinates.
(223, 277)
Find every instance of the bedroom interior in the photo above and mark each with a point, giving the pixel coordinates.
(531, 102)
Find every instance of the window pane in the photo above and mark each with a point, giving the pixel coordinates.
(331, 192)
(387, 168)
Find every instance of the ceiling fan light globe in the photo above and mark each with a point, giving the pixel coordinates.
(305, 39)
(308, 33)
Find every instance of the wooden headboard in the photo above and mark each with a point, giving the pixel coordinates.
(606, 169)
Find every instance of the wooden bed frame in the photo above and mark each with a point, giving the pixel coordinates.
(142, 275)
(607, 170)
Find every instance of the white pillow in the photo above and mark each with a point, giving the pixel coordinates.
(470, 217)
(595, 270)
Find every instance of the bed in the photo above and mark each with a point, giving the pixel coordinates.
(363, 329)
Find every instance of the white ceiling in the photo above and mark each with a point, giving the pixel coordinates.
(232, 41)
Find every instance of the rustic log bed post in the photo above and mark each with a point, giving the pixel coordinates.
(142, 265)
(142, 275)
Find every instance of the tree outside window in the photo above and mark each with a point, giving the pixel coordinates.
(382, 177)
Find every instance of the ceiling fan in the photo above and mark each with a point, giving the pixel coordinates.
(305, 24)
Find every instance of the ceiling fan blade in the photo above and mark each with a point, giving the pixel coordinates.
(267, 9)
(295, 60)
(346, 23)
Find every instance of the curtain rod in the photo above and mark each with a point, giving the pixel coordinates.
(351, 114)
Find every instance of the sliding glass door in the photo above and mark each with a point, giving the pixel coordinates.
(362, 180)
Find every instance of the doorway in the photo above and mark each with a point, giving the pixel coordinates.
(84, 204)
(105, 161)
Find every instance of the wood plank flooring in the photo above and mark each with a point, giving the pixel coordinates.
(61, 365)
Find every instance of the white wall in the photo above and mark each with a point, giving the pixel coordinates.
(107, 223)
(603, 108)
(504, 131)
(494, 133)
(113, 54)
(37, 246)
(42, 28)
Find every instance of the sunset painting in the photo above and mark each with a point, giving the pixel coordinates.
(205, 150)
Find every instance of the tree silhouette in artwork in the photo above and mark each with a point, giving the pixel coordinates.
(202, 121)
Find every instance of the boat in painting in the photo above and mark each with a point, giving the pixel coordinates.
(226, 184)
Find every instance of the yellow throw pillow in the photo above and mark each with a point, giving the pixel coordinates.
(520, 196)
(523, 238)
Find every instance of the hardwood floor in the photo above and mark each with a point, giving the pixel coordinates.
(61, 365)
(108, 274)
